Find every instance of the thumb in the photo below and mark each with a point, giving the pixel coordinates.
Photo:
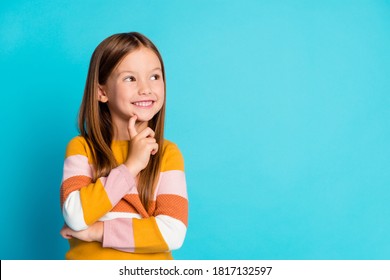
(132, 130)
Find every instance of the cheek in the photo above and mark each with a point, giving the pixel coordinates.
(161, 99)
(160, 90)
(124, 94)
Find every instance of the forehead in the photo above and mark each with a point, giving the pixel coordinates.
(141, 59)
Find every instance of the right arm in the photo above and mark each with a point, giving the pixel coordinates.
(84, 202)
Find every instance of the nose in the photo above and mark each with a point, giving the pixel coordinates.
(144, 87)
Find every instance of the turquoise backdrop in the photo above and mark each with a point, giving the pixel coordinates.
(281, 109)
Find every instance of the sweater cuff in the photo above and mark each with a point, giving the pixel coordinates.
(118, 234)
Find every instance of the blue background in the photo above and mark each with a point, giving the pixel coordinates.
(281, 109)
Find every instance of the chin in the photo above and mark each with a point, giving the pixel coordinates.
(141, 118)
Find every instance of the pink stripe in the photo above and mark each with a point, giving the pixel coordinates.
(172, 182)
(118, 183)
(118, 234)
(76, 165)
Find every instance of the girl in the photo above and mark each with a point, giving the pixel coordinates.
(123, 193)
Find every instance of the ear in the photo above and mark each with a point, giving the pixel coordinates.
(102, 95)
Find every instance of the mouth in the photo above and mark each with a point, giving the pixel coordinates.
(143, 104)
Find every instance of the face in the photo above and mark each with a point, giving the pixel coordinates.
(135, 87)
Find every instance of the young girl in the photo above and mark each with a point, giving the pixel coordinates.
(123, 193)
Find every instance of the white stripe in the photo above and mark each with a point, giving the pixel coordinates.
(172, 230)
(76, 165)
(116, 215)
(73, 212)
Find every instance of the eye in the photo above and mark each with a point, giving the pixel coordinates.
(155, 77)
(129, 79)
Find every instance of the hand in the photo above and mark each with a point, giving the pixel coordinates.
(141, 146)
(92, 233)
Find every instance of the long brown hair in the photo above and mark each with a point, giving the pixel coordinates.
(95, 122)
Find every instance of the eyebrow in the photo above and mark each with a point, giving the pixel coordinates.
(129, 71)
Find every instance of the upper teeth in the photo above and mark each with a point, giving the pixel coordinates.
(143, 103)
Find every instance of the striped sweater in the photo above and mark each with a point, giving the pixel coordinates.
(130, 232)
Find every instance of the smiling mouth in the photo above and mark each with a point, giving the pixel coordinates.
(143, 104)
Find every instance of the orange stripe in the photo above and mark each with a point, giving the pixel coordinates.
(131, 203)
(172, 205)
(73, 184)
(168, 204)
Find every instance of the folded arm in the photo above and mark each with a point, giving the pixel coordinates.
(84, 202)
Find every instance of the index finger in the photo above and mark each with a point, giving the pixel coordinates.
(132, 130)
